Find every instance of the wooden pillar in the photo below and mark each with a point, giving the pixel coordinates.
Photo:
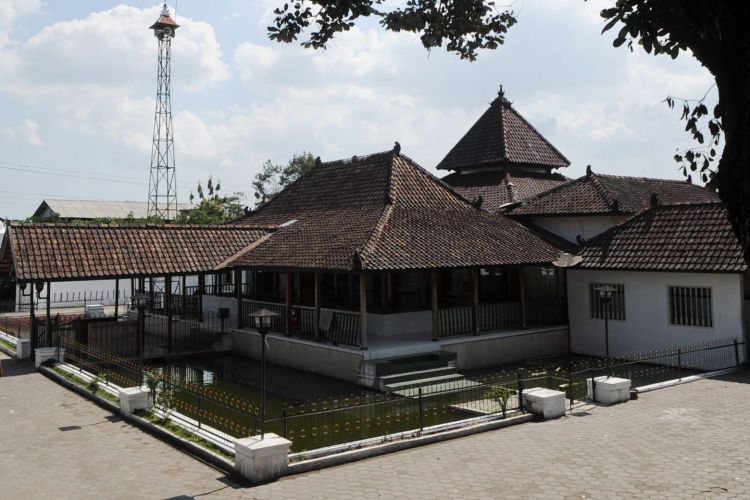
(434, 302)
(47, 323)
(317, 306)
(201, 291)
(522, 292)
(32, 318)
(117, 297)
(350, 290)
(238, 294)
(362, 311)
(289, 293)
(475, 277)
(184, 285)
(168, 309)
(389, 286)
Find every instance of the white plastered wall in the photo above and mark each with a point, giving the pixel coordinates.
(646, 325)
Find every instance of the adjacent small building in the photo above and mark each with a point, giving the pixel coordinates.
(678, 277)
(90, 210)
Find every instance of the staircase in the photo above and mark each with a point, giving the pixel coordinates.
(405, 374)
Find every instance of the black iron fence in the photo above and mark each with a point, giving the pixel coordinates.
(175, 395)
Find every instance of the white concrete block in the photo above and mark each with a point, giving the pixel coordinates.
(262, 460)
(609, 390)
(134, 398)
(544, 402)
(23, 348)
(94, 311)
(42, 354)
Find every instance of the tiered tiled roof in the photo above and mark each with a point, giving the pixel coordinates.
(501, 188)
(381, 212)
(62, 251)
(502, 138)
(689, 237)
(597, 194)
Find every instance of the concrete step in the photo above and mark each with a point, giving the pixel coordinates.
(417, 374)
(442, 379)
(439, 388)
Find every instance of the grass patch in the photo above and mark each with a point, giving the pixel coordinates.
(85, 385)
(8, 345)
(180, 431)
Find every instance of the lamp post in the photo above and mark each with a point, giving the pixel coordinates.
(140, 300)
(262, 320)
(605, 296)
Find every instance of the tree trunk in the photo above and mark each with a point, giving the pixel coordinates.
(733, 173)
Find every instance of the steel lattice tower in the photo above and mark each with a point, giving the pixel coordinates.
(162, 184)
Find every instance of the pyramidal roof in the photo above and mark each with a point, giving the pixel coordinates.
(381, 212)
(502, 138)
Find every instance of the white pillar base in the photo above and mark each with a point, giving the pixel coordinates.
(23, 348)
(609, 390)
(42, 354)
(546, 403)
(262, 460)
(134, 398)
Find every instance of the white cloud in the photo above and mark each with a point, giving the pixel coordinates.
(10, 11)
(111, 48)
(27, 131)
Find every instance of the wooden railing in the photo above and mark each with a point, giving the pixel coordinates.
(547, 312)
(345, 325)
(459, 320)
(499, 316)
(455, 320)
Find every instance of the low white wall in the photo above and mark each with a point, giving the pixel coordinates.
(304, 355)
(646, 324)
(570, 227)
(509, 347)
(399, 323)
(212, 304)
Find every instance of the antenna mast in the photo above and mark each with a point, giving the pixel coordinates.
(162, 185)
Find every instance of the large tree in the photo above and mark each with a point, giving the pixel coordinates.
(713, 31)
(273, 177)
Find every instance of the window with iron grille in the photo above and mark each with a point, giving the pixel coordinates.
(690, 306)
(615, 309)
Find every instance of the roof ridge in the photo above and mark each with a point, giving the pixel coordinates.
(377, 230)
(552, 189)
(639, 178)
(607, 197)
(532, 127)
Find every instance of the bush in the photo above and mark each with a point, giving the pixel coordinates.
(501, 395)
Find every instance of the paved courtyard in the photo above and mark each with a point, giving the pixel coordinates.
(686, 441)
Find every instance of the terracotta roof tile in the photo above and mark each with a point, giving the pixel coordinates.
(500, 188)
(62, 251)
(602, 194)
(383, 211)
(688, 237)
(502, 137)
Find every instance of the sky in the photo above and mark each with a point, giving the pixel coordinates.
(78, 84)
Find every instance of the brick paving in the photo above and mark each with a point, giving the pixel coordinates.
(688, 441)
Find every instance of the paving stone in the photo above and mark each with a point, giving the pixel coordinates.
(688, 441)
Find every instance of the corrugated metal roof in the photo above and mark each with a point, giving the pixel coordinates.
(94, 209)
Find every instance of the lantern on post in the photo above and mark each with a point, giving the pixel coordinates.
(262, 321)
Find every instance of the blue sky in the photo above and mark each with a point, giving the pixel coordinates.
(77, 85)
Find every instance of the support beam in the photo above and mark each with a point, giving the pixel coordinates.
(384, 291)
(434, 303)
(522, 292)
(475, 276)
(47, 323)
(289, 293)
(317, 306)
(168, 309)
(238, 294)
(363, 311)
(117, 297)
(201, 291)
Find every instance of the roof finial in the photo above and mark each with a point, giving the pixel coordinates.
(654, 200)
(588, 171)
(689, 179)
(501, 97)
(165, 10)
(317, 161)
(396, 148)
